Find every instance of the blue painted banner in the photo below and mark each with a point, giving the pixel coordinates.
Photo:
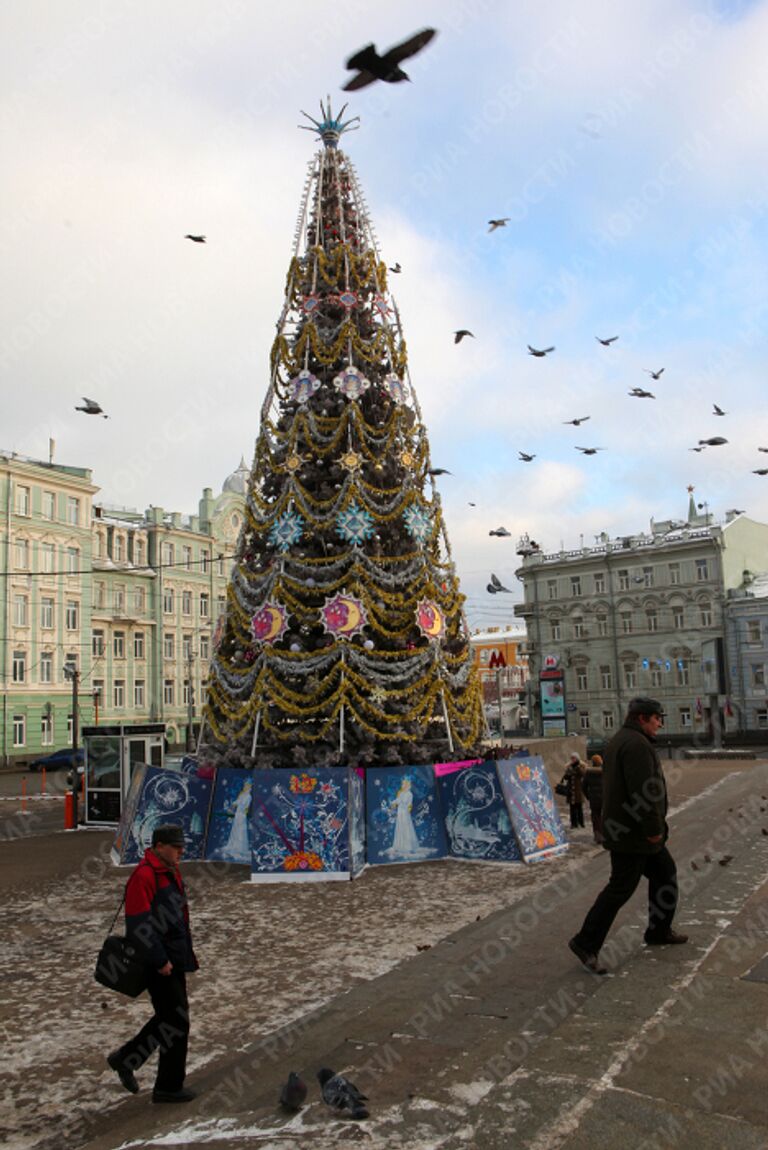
(404, 821)
(532, 810)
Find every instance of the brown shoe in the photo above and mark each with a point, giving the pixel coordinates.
(669, 938)
(587, 959)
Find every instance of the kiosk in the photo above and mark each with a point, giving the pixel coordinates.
(111, 754)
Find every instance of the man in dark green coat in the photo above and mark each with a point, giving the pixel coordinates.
(635, 832)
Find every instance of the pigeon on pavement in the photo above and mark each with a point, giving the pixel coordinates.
(339, 1093)
(371, 66)
(294, 1093)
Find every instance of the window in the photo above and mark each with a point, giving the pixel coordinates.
(73, 560)
(19, 666)
(630, 675)
(22, 500)
(168, 645)
(138, 645)
(119, 600)
(49, 505)
(71, 661)
(138, 599)
(205, 559)
(705, 611)
(46, 729)
(46, 667)
(73, 510)
(578, 629)
(167, 554)
(99, 597)
(204, 605)
(186, 602)
(575, 586)
(762, 720)
(685, 717)
(652, 620)
(678, 618)
(584, 720)
(220, 561)
(118, 644)
(758, 674)
(551, 588)
(138, 552)
(626, 622)
(20, 610)
(607, 720)
(624, 580)
(606, 678)
(674, 574)
(656, 676)
(600, 584)
(702, 570)
(119, 693)
(648, 576)
(185, 695)
(19, 730)
(602, 624)
(98, 644)
(555, 628)
(682, 672)
(186, 646)
(118, 548)
(186, 558)
(72, 614)
(138, 693)
(221, 604)
(205, 648)
(47, 558)
(168, 600)
(581, 679)
(22, 554)
(168, 692)
(753, 631)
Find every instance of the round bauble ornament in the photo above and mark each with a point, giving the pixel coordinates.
(368, 644)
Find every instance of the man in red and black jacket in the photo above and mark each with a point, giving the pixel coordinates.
(157, 922)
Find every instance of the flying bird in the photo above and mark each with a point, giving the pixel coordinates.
(458, 336)
(760, 471)
(654, 374)
(577, 422)
(471, 505)
(396, 269)
(439, 471)
(339, 1093)
(539, 352)
(91, 408)
(494, 224)
(590, 450)
(501, 531)
(497, 585)
(606, 342)
(762, 449)
(640, 393)
(195, 239)
(718, 410)
(525, 457)
(715, 441)
(294, 1093)
(695, 448)
(371, 66)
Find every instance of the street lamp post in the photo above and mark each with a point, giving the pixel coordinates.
(71, 672)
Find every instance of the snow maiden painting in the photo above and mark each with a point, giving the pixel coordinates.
(404, 820)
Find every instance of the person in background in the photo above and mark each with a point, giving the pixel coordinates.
(635, 832)
(593, 793)
(572, 780)
(157, 921)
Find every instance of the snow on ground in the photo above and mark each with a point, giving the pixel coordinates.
(268, 955)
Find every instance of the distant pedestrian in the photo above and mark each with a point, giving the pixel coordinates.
(635, 831)
(593, 793)
(157, 921)
(572, 780)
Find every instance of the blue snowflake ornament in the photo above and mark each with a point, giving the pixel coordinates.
(355, 524)
(286, 530)
(417, 522)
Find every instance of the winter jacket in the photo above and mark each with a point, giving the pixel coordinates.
(593, 787)
(157, 916)
(574, 774)
(634, 793)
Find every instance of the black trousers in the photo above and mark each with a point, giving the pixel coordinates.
(626, 872)
(167, 1032)
(577, 814)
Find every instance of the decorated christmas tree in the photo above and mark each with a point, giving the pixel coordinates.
(344, 639)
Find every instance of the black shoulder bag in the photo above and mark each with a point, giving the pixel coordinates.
(120, 966)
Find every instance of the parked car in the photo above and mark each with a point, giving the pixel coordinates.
(66, 757)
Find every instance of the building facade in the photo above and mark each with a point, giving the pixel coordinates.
(746, 654)
(129, 601)
(637, 615)
(502, 664)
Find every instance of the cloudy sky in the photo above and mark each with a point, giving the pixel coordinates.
(626, 144)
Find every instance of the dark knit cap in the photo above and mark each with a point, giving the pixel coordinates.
(644, 706)
(170, 834)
